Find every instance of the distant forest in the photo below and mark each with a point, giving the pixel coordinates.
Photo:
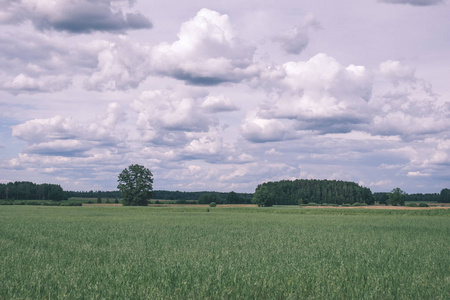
(435, 197)
(284, 193)
(25, 190)
(304, 191)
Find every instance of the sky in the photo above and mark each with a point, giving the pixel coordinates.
(226, 95)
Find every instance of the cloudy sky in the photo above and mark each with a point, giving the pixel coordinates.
(224, 95)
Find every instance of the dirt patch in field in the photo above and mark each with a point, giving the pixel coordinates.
(203, 205)
(174, 205)
(381, 207)
(443, 206)
(102, 204)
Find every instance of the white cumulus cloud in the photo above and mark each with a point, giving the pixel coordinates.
(259, 129)
(207, 52)
(297, 38)
(216, 104)
(121, 65)
(26, 84)
(406, 105)
(63, 136)
(319, 94)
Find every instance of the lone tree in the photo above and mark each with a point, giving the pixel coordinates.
(135, 185)
(396, 197)
(263, 196)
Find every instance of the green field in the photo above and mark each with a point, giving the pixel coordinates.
(223, 253)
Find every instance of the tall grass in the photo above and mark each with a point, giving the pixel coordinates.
(189, 253)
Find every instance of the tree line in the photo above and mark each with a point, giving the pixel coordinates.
(304, 191)
(442, 197)
(224, 198)
(203, 197)
(136, 188)
(93, 194)
(283, 192)
(25, 190)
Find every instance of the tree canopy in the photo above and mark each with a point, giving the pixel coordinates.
(135, 185)
(396, 197)
(445, 196)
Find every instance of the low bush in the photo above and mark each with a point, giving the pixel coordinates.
(359, 204)
(423, 204)
(33, 203)
(212, 204)
(346, 204)
(51, 203)
(412, 204)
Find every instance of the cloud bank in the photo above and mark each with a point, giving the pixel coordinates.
(224, 104)
(72, 16)
(414, 2)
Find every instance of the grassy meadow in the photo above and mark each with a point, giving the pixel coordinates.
(223, 253)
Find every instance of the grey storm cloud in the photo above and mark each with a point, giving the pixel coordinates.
(73, 16)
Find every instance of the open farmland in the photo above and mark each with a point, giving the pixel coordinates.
(224, 253)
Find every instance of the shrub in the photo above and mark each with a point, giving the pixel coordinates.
(212, 204)
(50, 203)
(324, 204)
(346, 204)
(157, 202)
(412, 204)
(71, 204)
(423, 204)
(34, 203)
(302, 201)
(358, 204)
